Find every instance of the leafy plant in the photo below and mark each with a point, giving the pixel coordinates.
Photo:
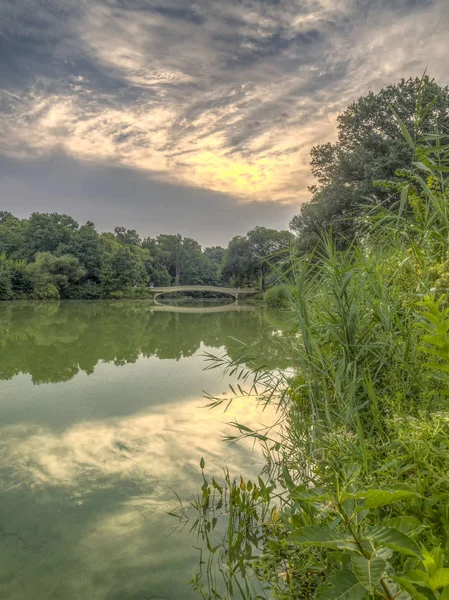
(353, 502)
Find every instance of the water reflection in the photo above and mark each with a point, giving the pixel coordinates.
(53, 342)
(89, 458)
(83, 511)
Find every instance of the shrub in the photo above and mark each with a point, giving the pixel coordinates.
(277, 296)
(118, 295)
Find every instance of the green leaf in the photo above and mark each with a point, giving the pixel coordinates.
(422, 167)
(325, 537)
(404, 129)
(344, 585)
(417, 577)
(375, 498)
(445, 594)
(396, 540)
(432, 560)
(405, 524)
(410, 588)
(439, 579)
(369, 571)
(202, 463)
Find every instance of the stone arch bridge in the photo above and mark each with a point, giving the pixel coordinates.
(237, 293)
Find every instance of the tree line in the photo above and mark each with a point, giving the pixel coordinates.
(51, 256)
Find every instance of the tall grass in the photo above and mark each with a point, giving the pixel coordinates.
(354, 501)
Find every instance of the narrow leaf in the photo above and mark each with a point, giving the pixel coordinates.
(405, 131)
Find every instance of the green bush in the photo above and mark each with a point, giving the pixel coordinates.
(139, 292)
(278, 296)
(88, 290)
(119, 295)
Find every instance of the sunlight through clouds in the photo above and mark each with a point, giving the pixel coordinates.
(223, 96)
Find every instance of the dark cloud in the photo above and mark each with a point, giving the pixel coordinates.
(118, 196)
(217, 95)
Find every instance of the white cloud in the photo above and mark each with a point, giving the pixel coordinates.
(223, 96)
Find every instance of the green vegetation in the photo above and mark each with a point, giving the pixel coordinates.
(49, 256)
(277, 296)
(369, 147)
(354, 500)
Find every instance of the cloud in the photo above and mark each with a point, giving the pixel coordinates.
(91, 501)
(159, 448)
(223, 96)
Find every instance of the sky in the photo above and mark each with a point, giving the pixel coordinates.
(198, 117)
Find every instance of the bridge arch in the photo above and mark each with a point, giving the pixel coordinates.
(236, 293)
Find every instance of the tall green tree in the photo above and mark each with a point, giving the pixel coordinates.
(6, 291)
(123, 268)
(46, 232)
(87, 247)
(369, 147)
(249, 258)
(12, 235)
(181, 257)
(268, 247)
(54, 275)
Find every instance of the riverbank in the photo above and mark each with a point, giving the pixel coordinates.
(352, 500)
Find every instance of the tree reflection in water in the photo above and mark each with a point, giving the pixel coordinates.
(53, 342)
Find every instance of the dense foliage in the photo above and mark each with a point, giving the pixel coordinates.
(369, 147)
(50, 256)
(354, 500)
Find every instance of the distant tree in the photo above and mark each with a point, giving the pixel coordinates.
(130, 237)
(12, 236)
(6, 291)
(249, 259)
(86, 246)
(4, 215)
(370, 146)
(215, 253)
(268, 248)
(46, 232)
(122, 268)
(20, 280)
(49, 272)
(181, 257)
(238, 266)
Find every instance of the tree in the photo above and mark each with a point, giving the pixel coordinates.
(12, 236)
(181, 257)
(86, 246)
(238, 265)
(129, 237)
(46, 232)
(49, 273)
(122, 268)
(6, 291)
(369, 147)
(248, 259)
(268, 248)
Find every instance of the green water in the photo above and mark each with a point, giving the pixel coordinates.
(101, 419)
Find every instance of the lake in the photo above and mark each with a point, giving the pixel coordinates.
(102, 420)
